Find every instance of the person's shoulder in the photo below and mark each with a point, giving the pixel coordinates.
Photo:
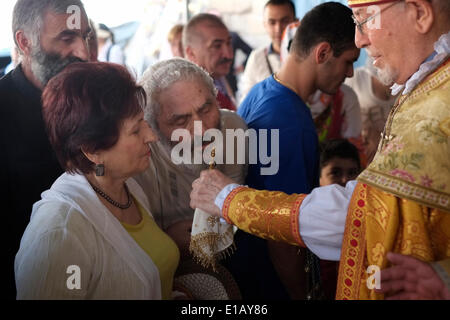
(263, 87)
(257, 53)
(268, 94)
(274, 93)
(6, 88)
(276, 108)
(6, 84)
(56, 215)
(253, 99)
(55, 229)
(259, 50)
(231, 120)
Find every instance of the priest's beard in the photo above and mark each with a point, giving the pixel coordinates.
(387, 75)
(46, 65)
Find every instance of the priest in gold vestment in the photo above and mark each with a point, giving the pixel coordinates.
(396, 216)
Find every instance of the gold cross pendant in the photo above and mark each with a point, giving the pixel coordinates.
(212, 164)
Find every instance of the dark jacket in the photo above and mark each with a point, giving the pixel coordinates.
(28, 164)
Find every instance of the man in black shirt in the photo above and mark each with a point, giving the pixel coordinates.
(50, 34)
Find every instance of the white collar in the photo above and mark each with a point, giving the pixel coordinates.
(441, 52)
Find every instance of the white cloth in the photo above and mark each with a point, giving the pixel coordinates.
(321, 217)
(70, 226)
(211, 238)
(256, 69)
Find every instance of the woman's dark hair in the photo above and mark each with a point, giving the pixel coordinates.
(338, 148)
(328, 22)
(84, 107)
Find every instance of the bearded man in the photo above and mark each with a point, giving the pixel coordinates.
(50, 34)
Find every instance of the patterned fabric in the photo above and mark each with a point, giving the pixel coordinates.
(362, 3)
(412, 160)
(378, 223)
(267, 214)
(211, 239)
(199, 283)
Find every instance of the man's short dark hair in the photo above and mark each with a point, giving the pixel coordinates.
(338, 148)
(281, 3)
(329, 22)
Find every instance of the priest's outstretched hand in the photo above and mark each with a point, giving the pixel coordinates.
(205, 190)
(411, 279)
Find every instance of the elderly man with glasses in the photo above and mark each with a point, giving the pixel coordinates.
(396, 216)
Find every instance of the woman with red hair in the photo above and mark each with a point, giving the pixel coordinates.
(91, 236)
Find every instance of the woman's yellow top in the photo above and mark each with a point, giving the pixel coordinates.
(159, 246)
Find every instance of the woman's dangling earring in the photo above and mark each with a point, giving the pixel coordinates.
(99, 170)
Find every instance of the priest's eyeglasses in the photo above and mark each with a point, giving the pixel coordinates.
(360, 25)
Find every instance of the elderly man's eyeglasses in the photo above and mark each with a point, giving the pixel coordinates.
(360, 25)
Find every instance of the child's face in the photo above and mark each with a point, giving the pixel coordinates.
(339, 171)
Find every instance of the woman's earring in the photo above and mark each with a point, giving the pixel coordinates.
(99, 170)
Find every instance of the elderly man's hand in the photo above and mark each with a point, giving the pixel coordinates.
(411, 279)
(205, 190)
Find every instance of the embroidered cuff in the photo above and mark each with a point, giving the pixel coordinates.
(270, 215)
(223, 194)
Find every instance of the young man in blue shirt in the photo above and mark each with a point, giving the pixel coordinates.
(320, 58)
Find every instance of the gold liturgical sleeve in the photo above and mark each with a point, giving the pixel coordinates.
(271, 215)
